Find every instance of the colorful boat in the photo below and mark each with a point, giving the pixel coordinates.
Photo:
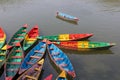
(62, 76)
(79, 45)
(18, 36)
(34, 55)
(67, 37)
(32, 73)
(60, 59)
(13, 62)
(2, 37)
(49, 77)
(31, 38)
(3, 54)
(66, 17)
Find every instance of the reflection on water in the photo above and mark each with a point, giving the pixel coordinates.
(71, 22)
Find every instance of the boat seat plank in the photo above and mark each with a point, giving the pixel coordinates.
(17, 57)
(30, 77)
(56, 59)
(18, 51)
(23, 30)
(36, 51)
(13, 62)
(55, 54)
(30, 63)
(63, 65)
(20, 34)
(34, 57)
(37, 69)
(18, 38)
(12, 69)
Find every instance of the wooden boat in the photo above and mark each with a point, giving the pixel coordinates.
(13, 62)
(18, 36)
(34, 55)
(67, 37)
(62, 76)
(31, 37)
(60, 59)
(32, 73)
(66, 17)
(2, 37)
(49, 77)
(79, 45)
(3, 54)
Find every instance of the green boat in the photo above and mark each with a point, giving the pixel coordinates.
(18, 36)
(13, 62)
(80, 45)
(3, 54)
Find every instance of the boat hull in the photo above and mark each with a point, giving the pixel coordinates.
(18, 36)
(30, 38)
(13, 62)
(61, 62)
(67, 17)
(34, 55)
(84, 45)
(67, 37)
(34, 72)
(2, 38)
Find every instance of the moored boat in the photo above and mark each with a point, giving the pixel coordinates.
(60, 59)
(34, 55)
(79, 45)
(3, 54)
(31, 37)
(2, 37)
(62, 76)
(18, 36)
(13, 62)
(67, 37)
(32, 73)
(66, 17)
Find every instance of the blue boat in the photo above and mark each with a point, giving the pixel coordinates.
(66, 17)
(32, 73)
(60, 59)
(33, 56)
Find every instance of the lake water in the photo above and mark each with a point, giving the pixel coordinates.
(101, 17)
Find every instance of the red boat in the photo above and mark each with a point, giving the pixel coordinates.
(67, 37)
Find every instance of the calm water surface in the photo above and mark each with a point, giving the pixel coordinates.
(101, 17)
